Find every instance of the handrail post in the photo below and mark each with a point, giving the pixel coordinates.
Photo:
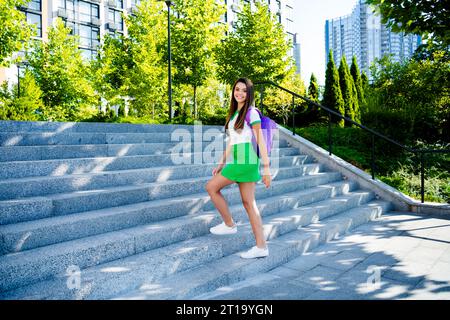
(373, 157)
(422, 177)
(330, 136)
(293, 115)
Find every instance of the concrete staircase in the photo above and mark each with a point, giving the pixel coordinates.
(100, 211)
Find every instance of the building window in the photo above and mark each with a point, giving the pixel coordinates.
(35, 19)
(115, 17)
(34, 5)
(32, 12)
(88, 54)
(290, 13)
(87, 10)
(89, 36)
(69, 6)
(119, 3)
(224, 17)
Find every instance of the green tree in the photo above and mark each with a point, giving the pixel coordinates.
(356, 75)
(257, 49)
(364, 83)
(427, 18)
(349, 93)
(278, 103)
(61, 74)
(14, 30)
(211, 101)
(417, 91)
(111, 69)
(311, 114)
(196, 32)
(332, 96)
(26, 106)
(313, 89)
(147, 32)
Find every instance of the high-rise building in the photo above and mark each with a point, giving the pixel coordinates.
(89, 19)
(362, 34)
(92, 19)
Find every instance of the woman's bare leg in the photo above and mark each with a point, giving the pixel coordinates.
(213, 188)
(247, 190)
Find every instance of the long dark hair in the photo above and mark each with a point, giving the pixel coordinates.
(249, 101)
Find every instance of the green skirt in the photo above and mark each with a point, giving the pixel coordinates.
(245, 164)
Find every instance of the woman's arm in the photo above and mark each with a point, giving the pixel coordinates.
(263, 149)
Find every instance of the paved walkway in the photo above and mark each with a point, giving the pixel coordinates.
(400, 256)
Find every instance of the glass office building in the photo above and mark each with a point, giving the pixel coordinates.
(362, 34)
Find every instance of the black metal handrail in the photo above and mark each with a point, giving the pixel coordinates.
(373, 133)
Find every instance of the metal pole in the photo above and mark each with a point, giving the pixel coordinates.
(373, 157)
(330, 136)
(170, 59)
(293, 115)
(422, 177)
(18, 81)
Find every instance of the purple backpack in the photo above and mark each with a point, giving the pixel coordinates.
(268, 126)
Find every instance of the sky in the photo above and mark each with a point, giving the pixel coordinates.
(309, 23)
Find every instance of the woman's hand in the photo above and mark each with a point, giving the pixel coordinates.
(217, 169)
(266, 177)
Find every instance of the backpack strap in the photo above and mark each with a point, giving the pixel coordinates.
(247, 116)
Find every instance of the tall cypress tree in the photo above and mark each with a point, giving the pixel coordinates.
(356, 106)
(332, 97)
(354, 71)
(313, 89)
(348, 90)
(313, 94)
(364, 82)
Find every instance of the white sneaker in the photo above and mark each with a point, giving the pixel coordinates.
(255, 252)
(222, 228)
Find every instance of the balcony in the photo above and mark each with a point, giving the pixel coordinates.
(112, 26)
(132, 10)
(112, 3)
(95, 21)
(61, 13)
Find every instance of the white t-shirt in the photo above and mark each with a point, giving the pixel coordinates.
(246, 133)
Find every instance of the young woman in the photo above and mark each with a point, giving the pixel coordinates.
(244, 170)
